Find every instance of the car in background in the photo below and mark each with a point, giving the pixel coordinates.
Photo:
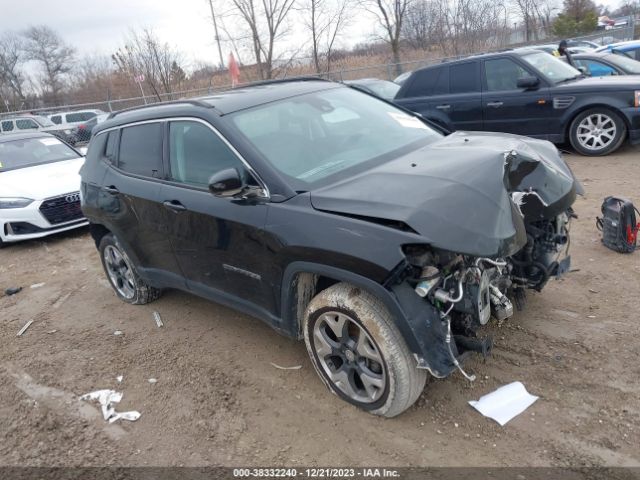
(74, 117)
(30, 123)
(631, 48)
(82, 133)
(553, 49)
(582, 44)
(527, 92)
(602, 64)
(400, 79)
(39, 186)
(374, 86)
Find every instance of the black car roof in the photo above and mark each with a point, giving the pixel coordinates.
(8, 137)
(224, 102)
(503, 53)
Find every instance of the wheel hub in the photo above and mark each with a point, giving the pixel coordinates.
(596, 132)
(349, 357)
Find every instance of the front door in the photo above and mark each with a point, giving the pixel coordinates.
(510, 109)
(219, 242)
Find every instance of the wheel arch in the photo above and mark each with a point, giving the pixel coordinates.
(418, 322)
(583, 108)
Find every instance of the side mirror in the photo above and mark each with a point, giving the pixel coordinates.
(226, 183)
(528, 82)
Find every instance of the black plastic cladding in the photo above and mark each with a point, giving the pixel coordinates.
(455, 193)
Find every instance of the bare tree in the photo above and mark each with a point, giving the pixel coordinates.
(12, 77)
(325, 20)
(468, 26)
(266, 22)
(44, 46)
(144, 54)
(390, 15)
(421, 25)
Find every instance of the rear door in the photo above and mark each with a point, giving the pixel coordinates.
(465, 96)
(510, 109)
(219, 242)
(131, 201)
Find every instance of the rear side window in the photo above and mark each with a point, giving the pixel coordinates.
(464, 78)
(7, 126)
(111, 147)
(79, 117)
(57, 119)
(433, 81)
(141, 150)
(196, 153)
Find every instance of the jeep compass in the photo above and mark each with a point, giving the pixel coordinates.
(335, 217)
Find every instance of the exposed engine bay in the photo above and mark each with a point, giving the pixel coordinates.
(468, 291)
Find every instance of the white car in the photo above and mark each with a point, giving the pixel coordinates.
(76, 117)
(39, 187)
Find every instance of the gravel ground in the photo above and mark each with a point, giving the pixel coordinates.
(219, 401)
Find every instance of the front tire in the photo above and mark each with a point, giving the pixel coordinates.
(597, 131)
(122, 275)
(359, 353)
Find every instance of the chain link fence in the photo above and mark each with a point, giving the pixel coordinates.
(388, 71)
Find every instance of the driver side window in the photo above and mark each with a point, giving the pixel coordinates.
(502, 74)
(196, 153)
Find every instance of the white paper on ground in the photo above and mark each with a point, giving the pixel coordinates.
(504, 403)
(106, 399)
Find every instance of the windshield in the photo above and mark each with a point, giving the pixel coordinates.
(312, 136)
(28, 152)
(554, 69)
(627, 64)
(43, 121)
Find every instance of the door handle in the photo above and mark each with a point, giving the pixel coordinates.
(443, 107)
(174, 205)
(494, 104)
(111, 190)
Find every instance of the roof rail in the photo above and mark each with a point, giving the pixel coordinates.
(305, 78)
(194, 102)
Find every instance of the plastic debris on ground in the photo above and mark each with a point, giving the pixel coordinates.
(295, 367)
(117, 333)
(119, 378)
(12, 291)
(504, 403)
(37, 285)
(24, 329)
(158, 320)
(106, 399)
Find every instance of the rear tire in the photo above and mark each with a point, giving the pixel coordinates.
(597, 132)
(359, 353)
(122, 275)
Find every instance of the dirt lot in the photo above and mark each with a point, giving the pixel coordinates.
(219, 401)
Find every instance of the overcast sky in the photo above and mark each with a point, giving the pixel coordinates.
(100, 26)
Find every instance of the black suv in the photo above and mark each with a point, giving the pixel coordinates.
(335, 217)
(527, 92)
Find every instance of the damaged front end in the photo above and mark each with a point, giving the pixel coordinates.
(467, 290)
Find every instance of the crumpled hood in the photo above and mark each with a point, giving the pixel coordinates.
(457, 191)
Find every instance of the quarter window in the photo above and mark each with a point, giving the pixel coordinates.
(464, 78)
(196, 153)
(7, 126)
(502, 74)
(141, 150)
(57, 119)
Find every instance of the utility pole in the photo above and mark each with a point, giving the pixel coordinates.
(215, 27)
